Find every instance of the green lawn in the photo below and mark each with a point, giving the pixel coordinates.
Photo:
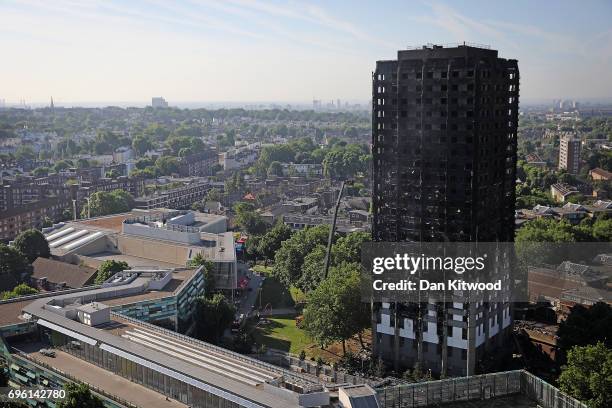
(282, 334)
(274, 293)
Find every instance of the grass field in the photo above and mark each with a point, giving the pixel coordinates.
(283, 334)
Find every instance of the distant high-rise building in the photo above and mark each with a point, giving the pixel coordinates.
(51, 104)
(444, 129)
(338, 104)
(569, 153)
(159, 102)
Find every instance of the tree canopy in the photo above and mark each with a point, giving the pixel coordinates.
(250, 221)
(106, 203)
(32, 244)
(588, 375)
(335, 311)
(108, 268)
(586, 326)
(79, 396)
(12, 263)
(212, 316)
(289, 258)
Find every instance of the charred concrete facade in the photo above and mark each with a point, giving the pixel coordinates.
(444, 127)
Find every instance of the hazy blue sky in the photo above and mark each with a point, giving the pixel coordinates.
(264, 50)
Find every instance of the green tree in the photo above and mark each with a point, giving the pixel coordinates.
(602, 229)
(272, 240)
(40, 171)
(12, 263)
(61, 165)
(249, 220)
(25, 153)
(212, 316)
(335, 311)
(167, 165)
(586, 326)
(105, 203)
(176, 143)
(32, 244)
(113, 173)
(108, 268)
(289, 259)
(83, 164)
(199, 260)
(143, 163)
(275, 169)
(312, 269)
(79, 396)
(213, 195)
(588, 375)
(20, 290)
(348, 248)
(141, 144)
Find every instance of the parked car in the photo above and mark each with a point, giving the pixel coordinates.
(47, 352)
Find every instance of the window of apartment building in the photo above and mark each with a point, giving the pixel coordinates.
(430, 74)
(419, 75)
(470, 73)
(443, 74)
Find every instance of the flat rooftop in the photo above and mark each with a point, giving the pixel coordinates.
(100, 378)
(134, 261)
(249, 381)
(11, 310)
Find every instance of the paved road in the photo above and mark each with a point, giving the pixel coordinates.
(250, 297)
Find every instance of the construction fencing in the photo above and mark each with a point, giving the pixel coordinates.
(476, 388)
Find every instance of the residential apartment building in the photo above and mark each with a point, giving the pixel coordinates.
(179, 198)
(200, 164)
(31, 215)
(569, 153)
(444, 127)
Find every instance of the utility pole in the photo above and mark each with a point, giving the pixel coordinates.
(332, 230)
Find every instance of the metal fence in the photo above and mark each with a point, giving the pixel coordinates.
(325, 374)
(476, 388)
(545, 394)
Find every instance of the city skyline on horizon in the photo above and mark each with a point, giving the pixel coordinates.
(254, 51)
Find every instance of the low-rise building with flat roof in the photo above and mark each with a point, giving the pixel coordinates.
(84, 332)
(159, 238)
